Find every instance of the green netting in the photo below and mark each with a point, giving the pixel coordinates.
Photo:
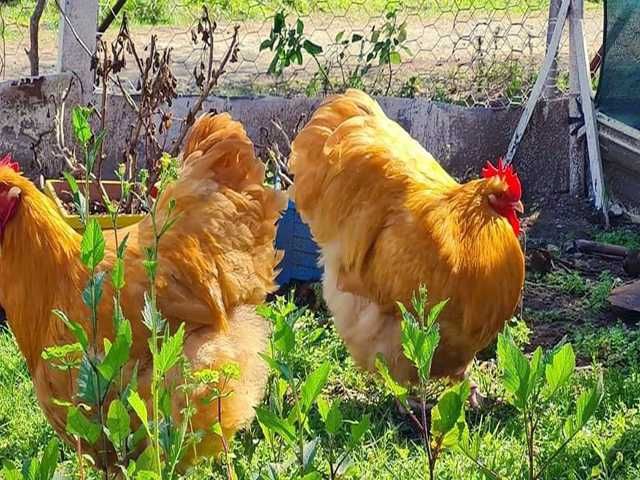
(619, 87)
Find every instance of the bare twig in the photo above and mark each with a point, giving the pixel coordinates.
(206, 30)
(34, 32)
(68, 21)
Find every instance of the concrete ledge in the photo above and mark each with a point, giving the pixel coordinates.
(462, 139)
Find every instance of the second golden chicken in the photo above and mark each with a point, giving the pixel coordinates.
(388, 218)
(215, 265)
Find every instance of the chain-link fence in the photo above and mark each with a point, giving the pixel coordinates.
(468, 52)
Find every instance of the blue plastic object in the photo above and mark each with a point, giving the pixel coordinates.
(301, 254)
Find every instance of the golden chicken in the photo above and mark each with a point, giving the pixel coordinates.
(215, 265)
(388, 218)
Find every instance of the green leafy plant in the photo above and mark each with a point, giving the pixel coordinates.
(531, 386)
(293, 397)
(106, 399)
(420, 337)
(288, 42)
(355, 56)
(35, 469)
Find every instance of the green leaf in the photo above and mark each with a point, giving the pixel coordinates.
(394, 58)
(435, 312)
(117, 274)
(268, 43)
(515, 369)
(397, 390)
(80, 124)
(313, 385)
(94, 150)
(586, 405)
(419, 344)
(122, 248)
(49, 461)
(119, 353)
(339, 36)
(118, 422)
(333, 422)
(323, 407)
(278, 22)
(272, 423)
(11, 473)
(92, 245)
(536, 371)
(138, 406)
(447, 417)
(217, 429)
(359, 429)
(284, 338)
(356, 38)
(80, 426)
(299, 27)
(91, 386)
(79, 200)
(312, 476)
(92, 294)
(30, 469)
(75, 328)
(171, 351)
(311, 48)
(560, 369)
(147, 464)
(309, 451)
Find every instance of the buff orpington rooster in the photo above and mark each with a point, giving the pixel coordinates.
(388, 219)
(215, 265)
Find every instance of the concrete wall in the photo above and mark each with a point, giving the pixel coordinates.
(462, 139)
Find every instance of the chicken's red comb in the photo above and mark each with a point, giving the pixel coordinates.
(507, 173)
(7, 161)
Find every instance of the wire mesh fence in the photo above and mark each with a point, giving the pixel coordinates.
(468, 52)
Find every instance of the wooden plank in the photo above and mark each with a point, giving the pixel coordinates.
(577, 167)
(538, 87)
(584, 77)
(627, 297)
(618, 125)
(550, 88)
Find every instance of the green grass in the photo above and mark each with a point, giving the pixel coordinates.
(594, 292)
(623, 236)
(391, 449)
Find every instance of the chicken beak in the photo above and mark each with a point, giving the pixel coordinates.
(518, 207)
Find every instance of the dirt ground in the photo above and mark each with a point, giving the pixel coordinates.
(462, 43)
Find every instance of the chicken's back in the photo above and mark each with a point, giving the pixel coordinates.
(220, 252)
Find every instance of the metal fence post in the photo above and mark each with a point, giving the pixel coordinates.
(576, 142)
(77, 39)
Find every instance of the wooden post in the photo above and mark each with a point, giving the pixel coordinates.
(538, 87)
(586, 97)
(77, 39)
(550, 89)
(577, 181)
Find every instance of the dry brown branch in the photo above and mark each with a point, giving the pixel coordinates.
(34, 33)
(206, 81)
